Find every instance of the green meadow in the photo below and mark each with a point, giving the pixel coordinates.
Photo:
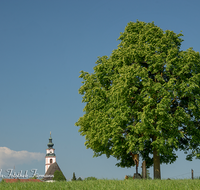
(184, 184)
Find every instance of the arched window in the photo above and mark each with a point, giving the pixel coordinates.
(50, 161)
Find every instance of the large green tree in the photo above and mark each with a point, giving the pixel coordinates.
(144, 98)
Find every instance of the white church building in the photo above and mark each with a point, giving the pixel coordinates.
(50, 162)
(50, 157)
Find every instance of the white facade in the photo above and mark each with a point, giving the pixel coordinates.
(49, 159)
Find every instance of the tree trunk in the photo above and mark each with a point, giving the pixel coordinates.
(156, 164)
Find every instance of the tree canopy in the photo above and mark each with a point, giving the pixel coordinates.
(144, 98)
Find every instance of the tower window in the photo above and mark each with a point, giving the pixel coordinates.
(50, 161)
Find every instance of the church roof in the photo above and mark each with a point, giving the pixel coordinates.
(50, 172)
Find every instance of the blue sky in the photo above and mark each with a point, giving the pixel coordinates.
(44, 45)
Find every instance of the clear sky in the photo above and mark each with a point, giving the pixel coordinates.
(44, 44)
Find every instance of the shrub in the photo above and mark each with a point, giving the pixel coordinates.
(58, 176)
(79, 179)
(91, 178)
(34, 177)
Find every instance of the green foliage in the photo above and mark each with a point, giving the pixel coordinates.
(79, 179)
(90, 178)
(145, 96)
(74, 177)
(58, 176)
(34, 177)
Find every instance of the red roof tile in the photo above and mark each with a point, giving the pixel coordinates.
(21, 180)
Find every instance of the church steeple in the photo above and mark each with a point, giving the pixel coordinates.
(50, 144)
(50, 157)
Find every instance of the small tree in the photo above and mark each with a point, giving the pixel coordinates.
(74, 177)
(58, 176)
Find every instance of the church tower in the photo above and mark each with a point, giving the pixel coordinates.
(50, 157)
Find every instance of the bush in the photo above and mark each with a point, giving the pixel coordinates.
(34, 177)
(91, 178)
(130, 176)
(58, 176)
(79, 179)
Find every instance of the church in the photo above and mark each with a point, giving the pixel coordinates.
(50, 161)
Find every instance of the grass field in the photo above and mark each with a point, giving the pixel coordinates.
(186, 184)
